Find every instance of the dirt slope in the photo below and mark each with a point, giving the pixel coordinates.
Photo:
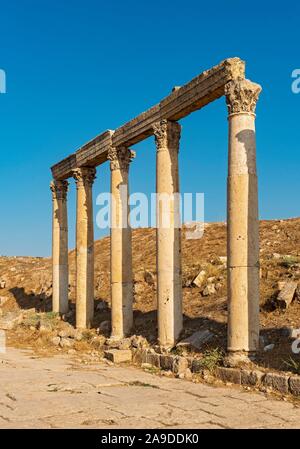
(28, 281)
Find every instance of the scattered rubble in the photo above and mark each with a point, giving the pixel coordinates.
(286, 294)
(269, 347)
(10, 320)
(55, 341)
(196, 340)
(28, 285)
(66, 342)
(210, 289)
(199, 279)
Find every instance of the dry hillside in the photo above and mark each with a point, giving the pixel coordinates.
(26, 282)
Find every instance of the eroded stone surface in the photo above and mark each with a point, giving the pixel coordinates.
(36, 393)
(278, 382)
(118, 355)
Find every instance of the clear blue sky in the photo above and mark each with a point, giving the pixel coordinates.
(75, 68)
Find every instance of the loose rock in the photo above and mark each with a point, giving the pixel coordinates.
(210, 289)
(197, 339)
(66, 342)
(286, 295)
(10, 320)
(149, 277)
(199, 279)
(55, 341)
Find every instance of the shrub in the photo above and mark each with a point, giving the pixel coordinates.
(212, 358)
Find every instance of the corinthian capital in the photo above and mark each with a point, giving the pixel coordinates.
(242, 96)
(167, 134)
(59, 189)
(120, 157)
(84, 176)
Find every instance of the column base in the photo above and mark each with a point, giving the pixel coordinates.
(114, 338)
(164, 349)
(237, 358)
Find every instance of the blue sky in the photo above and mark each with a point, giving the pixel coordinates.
(76, 68)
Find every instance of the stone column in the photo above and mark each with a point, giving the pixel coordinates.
(168, 233)
(242, 222)
(120, 244)
(60, 283)
(84, 178)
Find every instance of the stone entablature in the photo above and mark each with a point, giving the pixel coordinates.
(203, 89)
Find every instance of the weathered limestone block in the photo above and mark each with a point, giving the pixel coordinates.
(166, 362)
(139, 356)
(232, 375)
(294, 383)
(196, 340)
(251, 377)
(278, 382)
(118, 355)
(180, 365)
(286, 294)
(153, 359)
(199, 279)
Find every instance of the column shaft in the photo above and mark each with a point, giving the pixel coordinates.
(84, 178)
(168, 233)
(120, 245)
(243, 225)
(60, 283)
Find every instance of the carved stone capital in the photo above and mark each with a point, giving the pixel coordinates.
(59, 189)
(167, 134)
(120, 157)
(84, 176)
(242, 96)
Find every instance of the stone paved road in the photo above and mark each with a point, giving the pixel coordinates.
(56, 392)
